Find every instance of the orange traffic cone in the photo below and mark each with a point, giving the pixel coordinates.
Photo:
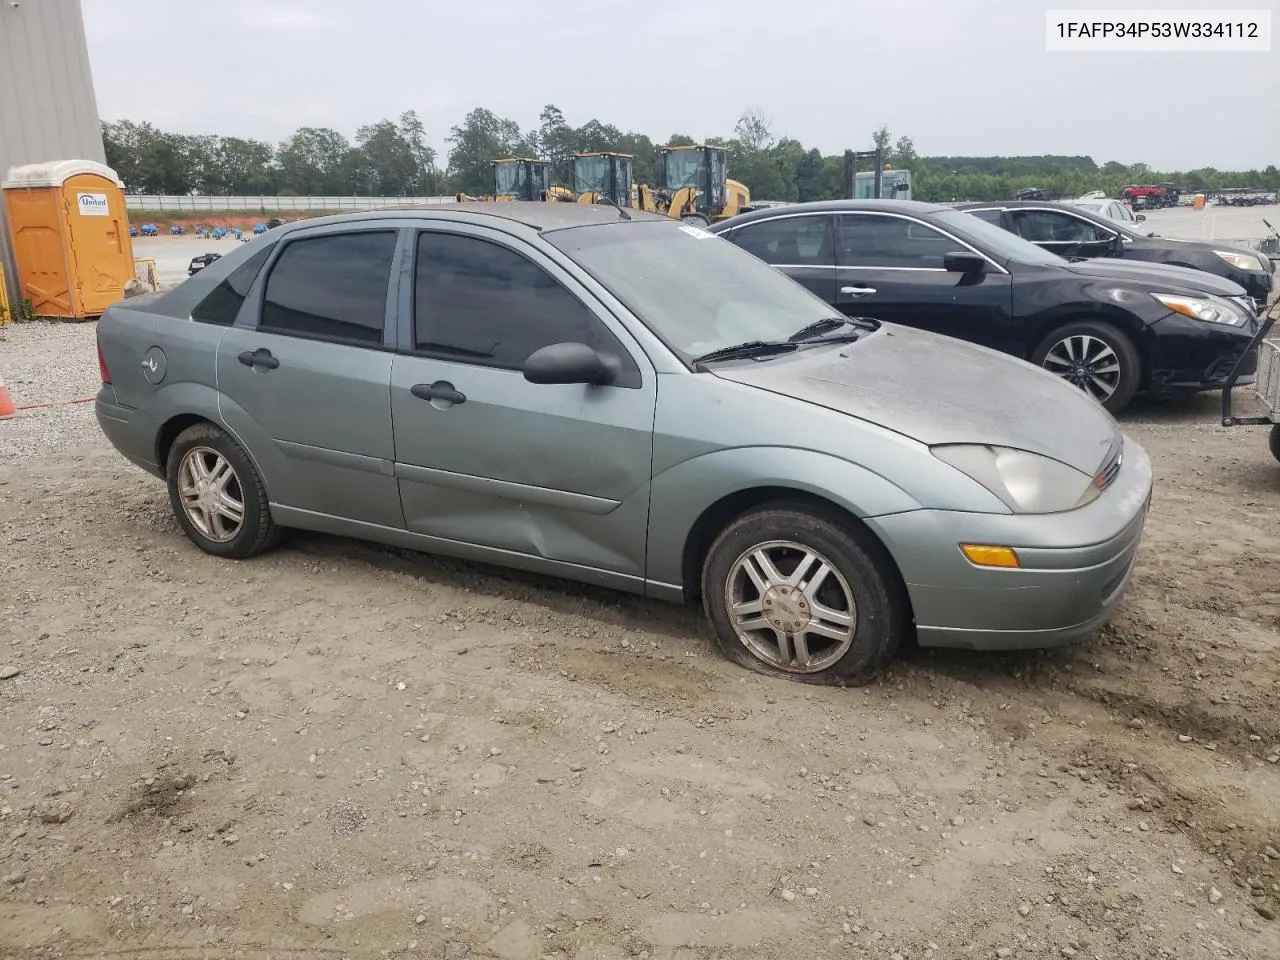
(6, 405)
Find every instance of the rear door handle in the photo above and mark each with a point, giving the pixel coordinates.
(259, 358)
(438, 391)
(857, 291)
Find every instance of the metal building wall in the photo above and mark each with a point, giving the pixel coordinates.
(48, 110)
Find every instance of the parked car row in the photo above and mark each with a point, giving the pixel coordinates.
(619, 398)
(1113, 329)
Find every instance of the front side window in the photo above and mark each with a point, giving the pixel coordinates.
(1053, 226)
(789, 241)
(222, 305)
(872, 240)
(331, 288)
(991, 216)
(476, 301)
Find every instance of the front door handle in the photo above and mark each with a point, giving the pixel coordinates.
(259, 358)
(857, 291)
(438, 391)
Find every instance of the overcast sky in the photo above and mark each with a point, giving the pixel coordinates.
(961, 77)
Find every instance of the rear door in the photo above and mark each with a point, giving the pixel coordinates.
(800, 245)
(555, 472)
(304, 375)
(890, 267)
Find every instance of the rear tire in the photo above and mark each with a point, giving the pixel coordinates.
(1099, 359)
(217, 494)
(805, 594)
(696, 220)
(1274, 441)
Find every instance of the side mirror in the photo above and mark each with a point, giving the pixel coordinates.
(1141, 217)
(568, 363)
(963, 262)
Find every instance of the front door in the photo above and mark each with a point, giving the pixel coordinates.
(890, 267)
(304, 377)
(800, 245)
(484, 457)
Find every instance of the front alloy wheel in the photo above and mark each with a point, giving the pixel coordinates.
(791, 607)
(803, 591)
(1094, 357)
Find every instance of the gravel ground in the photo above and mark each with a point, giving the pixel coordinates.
(340, 750)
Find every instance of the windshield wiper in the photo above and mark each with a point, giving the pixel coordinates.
(827, 324)
(741, 351)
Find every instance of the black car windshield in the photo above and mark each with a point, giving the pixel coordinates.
(996, 242)
(697, 291)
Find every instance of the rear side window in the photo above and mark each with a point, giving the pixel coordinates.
(222, 305)
(331, 288)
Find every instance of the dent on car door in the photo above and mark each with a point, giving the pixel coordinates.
(555, 472)
(800, 245)
(303, 377)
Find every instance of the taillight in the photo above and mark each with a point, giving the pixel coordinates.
(102, 366)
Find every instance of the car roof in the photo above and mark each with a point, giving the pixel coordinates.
(1052, 204)
(536, 214)
(916, 207)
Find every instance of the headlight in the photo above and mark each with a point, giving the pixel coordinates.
(1208, 309)
(1025, 482)
(1241, 261)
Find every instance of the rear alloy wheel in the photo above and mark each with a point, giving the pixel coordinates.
(1095, 358)
(217, 495)
(792, 591)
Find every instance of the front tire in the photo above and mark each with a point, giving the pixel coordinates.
(801, 593)
(217, 495)
(1095, 357)
(1273, 441)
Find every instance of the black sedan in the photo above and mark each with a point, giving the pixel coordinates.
(1070, 231)
(1113, 329)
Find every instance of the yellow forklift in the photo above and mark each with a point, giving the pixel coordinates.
(695, 187)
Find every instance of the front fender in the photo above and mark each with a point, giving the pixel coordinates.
(681, 494)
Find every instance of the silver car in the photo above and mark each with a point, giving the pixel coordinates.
(619, 398)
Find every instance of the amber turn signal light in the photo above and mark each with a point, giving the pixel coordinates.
(982, 555)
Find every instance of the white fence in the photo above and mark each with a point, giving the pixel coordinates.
(156, 203)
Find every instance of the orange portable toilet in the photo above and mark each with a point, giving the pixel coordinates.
(70, 237)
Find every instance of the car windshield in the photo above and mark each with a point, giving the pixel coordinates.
(994, 241)
(696, 291)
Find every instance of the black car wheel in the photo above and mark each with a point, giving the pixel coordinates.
(1095, 357)
(1273, 441)
(217, 495)
(793, 591)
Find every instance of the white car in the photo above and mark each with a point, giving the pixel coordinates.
(1111, 209)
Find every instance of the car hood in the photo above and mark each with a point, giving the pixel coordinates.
(1230, 246)
(936, 389)
(1159, 275)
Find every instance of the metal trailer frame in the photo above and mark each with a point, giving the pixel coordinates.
(1266, 385)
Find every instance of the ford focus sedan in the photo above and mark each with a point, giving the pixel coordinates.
(617, 398)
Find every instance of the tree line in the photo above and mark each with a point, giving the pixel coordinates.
(392, 158)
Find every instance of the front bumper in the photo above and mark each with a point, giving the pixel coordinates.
(1075, 567)
(1188, 356)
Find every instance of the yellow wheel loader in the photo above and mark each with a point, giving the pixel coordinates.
(605, 177)
(523, 178)
(695, 188)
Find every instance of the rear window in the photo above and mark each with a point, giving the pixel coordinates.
(222, 305)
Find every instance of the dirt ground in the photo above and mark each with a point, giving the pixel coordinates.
(338, 750)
